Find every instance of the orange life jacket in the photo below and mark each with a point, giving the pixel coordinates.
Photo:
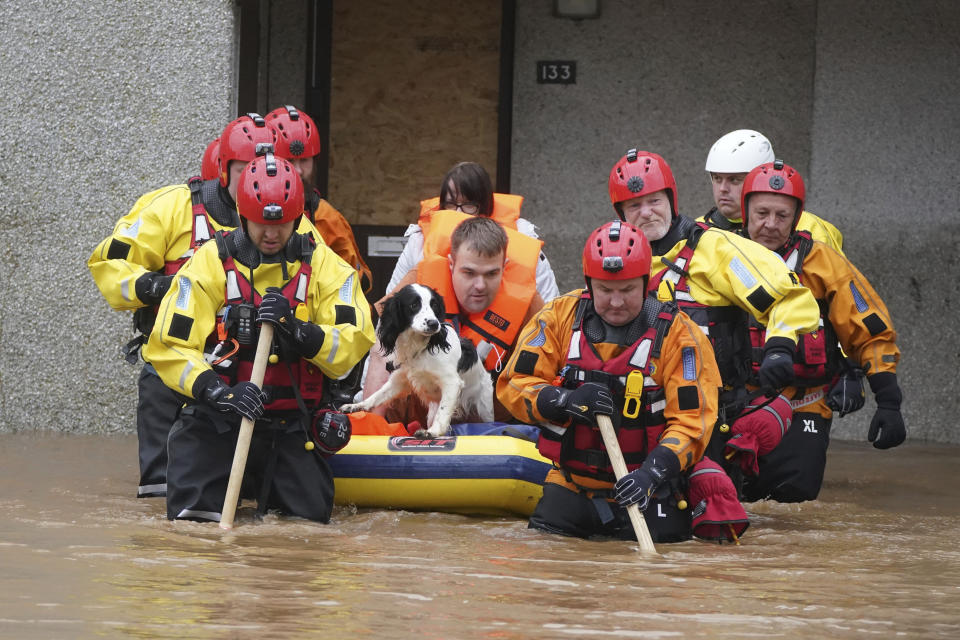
(493, 330)
(641, 400)
(506, 211)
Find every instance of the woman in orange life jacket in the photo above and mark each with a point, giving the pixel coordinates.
(298, 142)
(851, 313)
(611, 349)
(467, 188)
(134, 266)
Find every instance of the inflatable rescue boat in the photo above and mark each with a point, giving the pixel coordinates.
(483, 469)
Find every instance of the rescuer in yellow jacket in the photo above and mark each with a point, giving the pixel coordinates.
(134, 266)
(852, 313)
(729, 161)
(298, 141)
(610, 349)
(718, 278)
(204, 341)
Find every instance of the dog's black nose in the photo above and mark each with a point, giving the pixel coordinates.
(432, 324)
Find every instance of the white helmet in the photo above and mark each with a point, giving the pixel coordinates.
(739, 152)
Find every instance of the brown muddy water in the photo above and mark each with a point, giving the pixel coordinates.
(80, 557)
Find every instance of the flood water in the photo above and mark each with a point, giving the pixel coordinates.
(80, 557)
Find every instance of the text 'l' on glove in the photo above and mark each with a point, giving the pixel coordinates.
(638, 486)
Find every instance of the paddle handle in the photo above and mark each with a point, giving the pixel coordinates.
(246, 431)
(620, 469)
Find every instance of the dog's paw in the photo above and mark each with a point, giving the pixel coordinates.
(352, 408)
(438, 430)
(423, 434)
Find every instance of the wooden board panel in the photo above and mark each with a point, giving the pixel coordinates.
(414, 89)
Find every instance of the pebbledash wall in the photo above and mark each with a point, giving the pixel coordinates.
(102, 102)
(105, 101)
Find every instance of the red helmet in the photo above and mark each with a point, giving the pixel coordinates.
(639, 173)
(240, 139)
(270, 191)
(773, 177)
(209, 165)
(616, 251)
(297, 135)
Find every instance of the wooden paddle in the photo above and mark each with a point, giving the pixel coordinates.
(620, 469)
(246, 431)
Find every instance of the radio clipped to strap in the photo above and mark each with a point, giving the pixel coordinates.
(633, 394)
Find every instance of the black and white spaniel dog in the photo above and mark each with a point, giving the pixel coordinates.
(431, 361)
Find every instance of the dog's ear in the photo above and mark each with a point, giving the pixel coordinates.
(393, 320)
(438, 341)
(437, 306)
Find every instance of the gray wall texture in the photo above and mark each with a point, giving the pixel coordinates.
(859, 95)
(102, 102)
(105, 101)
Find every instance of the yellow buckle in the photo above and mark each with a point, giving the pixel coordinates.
(633, 394)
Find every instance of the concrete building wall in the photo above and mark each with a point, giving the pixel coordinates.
(858, 95)
(885, 164)
(102, 102)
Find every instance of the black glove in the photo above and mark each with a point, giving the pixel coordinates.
(244, 398)
(886, 429)
(331, 431)
(776, 370)
(846, 395)
(640, 484)
(305, 337)
(151, 287)
(581, 404)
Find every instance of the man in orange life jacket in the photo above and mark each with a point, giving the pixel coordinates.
(486, 275)
(298, 141)
(611, 349)
(467, 188)
(851, 313)
(204, 343)
(134, 266)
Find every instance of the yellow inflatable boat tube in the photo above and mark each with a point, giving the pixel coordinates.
(470, 474)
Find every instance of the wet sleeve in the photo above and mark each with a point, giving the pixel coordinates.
(860, 318)
(753, 278)
(338, 306)
(138, 245)
(688, 373)
(187, 317)
(537, 359)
